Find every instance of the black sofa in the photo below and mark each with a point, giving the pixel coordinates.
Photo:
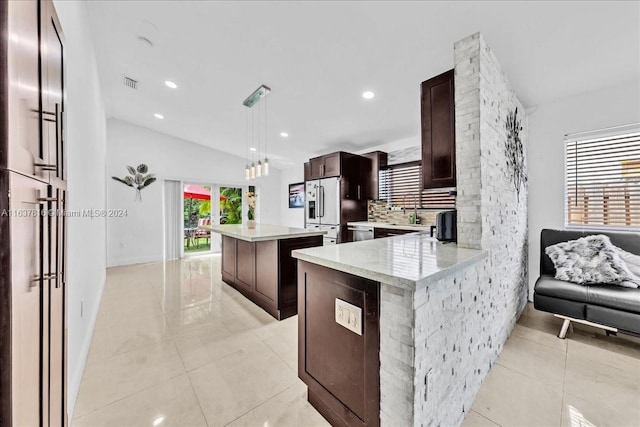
(609, 307)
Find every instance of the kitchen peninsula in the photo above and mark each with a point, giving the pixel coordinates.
(258, 263)
(382, 330)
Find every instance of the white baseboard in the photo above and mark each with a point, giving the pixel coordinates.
(117, 262)
(75, 379)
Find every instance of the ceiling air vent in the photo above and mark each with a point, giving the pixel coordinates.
(129, 82)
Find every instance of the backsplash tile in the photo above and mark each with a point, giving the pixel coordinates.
(379, 212)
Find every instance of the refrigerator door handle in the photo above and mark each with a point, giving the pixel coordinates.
(321, 201)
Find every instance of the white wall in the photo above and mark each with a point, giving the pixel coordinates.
(290, 217)
(548, 123)
(86, 142)
(138, 237)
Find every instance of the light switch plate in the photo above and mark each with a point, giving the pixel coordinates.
(349, 316)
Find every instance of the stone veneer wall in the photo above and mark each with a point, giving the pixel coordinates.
(438, 343)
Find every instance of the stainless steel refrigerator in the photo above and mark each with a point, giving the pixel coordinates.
(322, 208)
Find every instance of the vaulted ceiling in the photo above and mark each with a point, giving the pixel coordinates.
(319, 57)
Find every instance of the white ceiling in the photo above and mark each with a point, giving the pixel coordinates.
(318, 57)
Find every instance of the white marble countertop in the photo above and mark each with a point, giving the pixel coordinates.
(412, 227)
(261, 232)
(405, 261)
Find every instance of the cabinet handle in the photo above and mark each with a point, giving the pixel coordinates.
(46, 166)
(46, 277)
(47, 199)
(359, 195)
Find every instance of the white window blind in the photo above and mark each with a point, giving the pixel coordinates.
(399, 184)
(603, 181)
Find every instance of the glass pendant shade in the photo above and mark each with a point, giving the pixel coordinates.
(247, 172)
(259, 169)
(266, 167)
(253, 170)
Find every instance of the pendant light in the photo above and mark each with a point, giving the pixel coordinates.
(253, 170)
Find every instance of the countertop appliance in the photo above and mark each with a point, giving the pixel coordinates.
(322, 208)
(361, 232)
(445, 228)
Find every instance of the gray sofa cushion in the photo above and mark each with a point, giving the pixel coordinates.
(552, 287)
(591, 259)
(629, 242)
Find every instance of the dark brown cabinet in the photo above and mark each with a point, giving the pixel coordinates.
(265, 272)
(33, 193)
(340, 367)
(437, 103)
(307, 171)
(378, 159)
(326, 166)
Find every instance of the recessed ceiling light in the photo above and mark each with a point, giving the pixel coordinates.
(158, 116)
(284, 134)
(252, 149)
(171, 84)
(368, 95)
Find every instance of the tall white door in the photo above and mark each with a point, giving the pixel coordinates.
(173, 207)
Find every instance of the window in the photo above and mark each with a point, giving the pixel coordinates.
(603, 179)
(399, 184)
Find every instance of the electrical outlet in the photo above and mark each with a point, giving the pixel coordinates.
(348, 316)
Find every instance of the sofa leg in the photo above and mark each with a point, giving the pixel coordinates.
(564, 328)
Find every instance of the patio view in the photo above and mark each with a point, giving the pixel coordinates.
(198, 213)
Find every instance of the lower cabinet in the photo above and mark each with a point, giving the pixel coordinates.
(340, 366)
(265, 272)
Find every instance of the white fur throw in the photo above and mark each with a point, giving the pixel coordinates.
(589, 260)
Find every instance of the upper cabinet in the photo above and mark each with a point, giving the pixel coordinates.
(438, 131)
(378, 160)
(325, 166)
(36, 92)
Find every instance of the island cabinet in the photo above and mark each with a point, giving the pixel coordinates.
(437, 103)
(264, 271)
(340, 365)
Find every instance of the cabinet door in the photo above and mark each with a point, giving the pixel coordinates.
(29, 317)
(25, 151)
(57, 368)
(246, 266)
(229, 258)
(438, 132)
(316, 167)
(266, 288)
(307, 171)
(331, 165)
(52, 89)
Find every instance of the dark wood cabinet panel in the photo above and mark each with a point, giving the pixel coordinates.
(340, 367)
(438, 131)
(266, 284)
(377, 159)
(228, 259)
(326, 166)
(307, 171)
(331, 165)
(379, 233)
(246, 265)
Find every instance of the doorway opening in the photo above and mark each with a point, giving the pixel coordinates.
(197, 213)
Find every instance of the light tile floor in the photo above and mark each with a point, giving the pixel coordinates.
(175, 346)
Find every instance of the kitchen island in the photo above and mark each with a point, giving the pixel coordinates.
(380, 329)
(258, 263)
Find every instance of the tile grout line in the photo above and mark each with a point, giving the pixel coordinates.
(192, 387)
(259, 404)
(564, 382)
